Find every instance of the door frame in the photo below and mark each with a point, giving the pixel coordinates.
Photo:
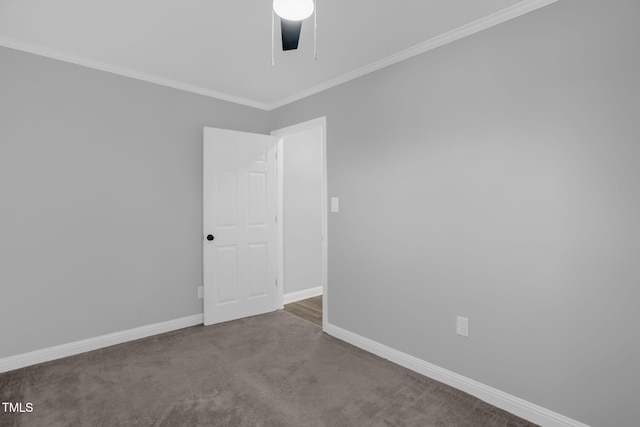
(320, 122)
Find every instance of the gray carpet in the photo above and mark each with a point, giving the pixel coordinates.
(269, 370)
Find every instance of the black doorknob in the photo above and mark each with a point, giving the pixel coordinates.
(209, 237)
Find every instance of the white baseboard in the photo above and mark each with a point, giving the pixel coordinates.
(527, 410)
(300, 295)
(77, 347)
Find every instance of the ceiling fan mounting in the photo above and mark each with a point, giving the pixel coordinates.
(291, 14)
(290, 31)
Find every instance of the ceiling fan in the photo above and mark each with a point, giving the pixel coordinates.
(291, 14)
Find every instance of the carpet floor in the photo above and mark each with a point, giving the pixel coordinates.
(269, 370)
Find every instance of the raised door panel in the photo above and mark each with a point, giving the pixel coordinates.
(258, 270)
(226, 275)
(256, 199)
(226, 199)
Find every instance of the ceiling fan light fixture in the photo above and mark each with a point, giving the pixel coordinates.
(293, 10)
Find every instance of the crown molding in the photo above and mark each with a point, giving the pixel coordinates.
(114, 69)
(499, 17)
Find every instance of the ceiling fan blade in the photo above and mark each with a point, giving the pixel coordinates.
(290, 33)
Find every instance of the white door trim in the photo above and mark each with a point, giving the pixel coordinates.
(320, 122)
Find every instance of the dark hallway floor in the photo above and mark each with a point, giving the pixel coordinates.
(309, 309)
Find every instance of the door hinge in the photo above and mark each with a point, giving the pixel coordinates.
(276, 218)
(276, 283)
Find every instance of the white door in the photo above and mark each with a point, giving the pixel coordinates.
(239, 210)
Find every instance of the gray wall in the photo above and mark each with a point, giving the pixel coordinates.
(100, 200)
(498, 178)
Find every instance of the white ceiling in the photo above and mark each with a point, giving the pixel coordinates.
(222, 48)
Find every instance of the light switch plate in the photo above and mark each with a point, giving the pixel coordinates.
(462, 326)
(335, 204)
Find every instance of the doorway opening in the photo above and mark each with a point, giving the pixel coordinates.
(302, 217)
